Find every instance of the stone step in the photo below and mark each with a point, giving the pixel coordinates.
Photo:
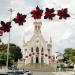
(39, 67)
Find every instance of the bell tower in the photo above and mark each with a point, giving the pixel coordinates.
(37, 27)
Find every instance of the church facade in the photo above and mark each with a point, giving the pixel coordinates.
(37, 50)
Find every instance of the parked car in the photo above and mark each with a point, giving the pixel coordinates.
(12, 73)
(28, 72)
(19, 72)
(4, 74)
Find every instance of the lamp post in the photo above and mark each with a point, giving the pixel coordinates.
(7, 63)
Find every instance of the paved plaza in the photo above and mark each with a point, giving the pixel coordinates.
(53, 73)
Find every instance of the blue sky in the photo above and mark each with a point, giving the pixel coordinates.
(62, 32)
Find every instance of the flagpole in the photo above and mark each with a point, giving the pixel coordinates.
(7, 63)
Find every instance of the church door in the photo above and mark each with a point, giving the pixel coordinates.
(37, 60)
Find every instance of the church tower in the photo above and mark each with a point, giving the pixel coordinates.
(37, 50)
(37, 26)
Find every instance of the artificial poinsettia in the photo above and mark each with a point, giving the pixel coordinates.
(33, 53)
(49, 14)
(26, 56)
(20, 19)
(1, 32)
(63, 13)
(46, 55)
(5, 26)
(37, 52)
(30, 54)
(49, 57)
(37, 13)
(42, 53)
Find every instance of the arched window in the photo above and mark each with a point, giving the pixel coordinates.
(35, 27)
(37, 49)
(42, 60)
(32, 49)
(32, 60)
(42, 50)
(38, 27)
(48, 50)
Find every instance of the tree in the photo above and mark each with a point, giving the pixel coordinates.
(69, 55)
(14, 54)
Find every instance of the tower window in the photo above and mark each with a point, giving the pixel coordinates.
(38, 27)
(42, 50)
(32, 49)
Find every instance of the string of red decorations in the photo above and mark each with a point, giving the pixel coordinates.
(36, 53)
(36, 14)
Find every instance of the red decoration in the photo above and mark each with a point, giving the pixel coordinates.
(36, 14)
(38, 53)
(49, 14)
(63, 13)
(46, 55)
(1, 32)
(33, 53)
(26, 56)
(30, 54)
(20, 19)
(5, 26)
(42, 53)
(49, 57)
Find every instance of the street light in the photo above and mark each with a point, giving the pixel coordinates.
(7, 63)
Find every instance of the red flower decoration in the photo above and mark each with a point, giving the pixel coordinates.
(1, 32)
(63, 13)
(36, 14)
(26, 56)
(42, 53)
(5, 26)
(33, 53)
(20, 19)
(49, 57)
(37, 52)
(30, 55)
(46, 55)
(49, 14)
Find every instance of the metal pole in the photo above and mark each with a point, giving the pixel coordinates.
(8, 51)
(7, 63)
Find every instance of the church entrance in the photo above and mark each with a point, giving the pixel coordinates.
(37, 60)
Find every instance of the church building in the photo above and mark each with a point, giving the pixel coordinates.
(37, 49)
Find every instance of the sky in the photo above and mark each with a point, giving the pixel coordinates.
(62, 32)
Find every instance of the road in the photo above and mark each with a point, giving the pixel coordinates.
(42, 73)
